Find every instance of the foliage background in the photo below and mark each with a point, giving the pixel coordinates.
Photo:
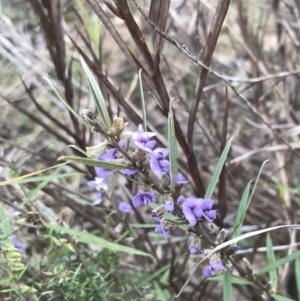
(257, 51)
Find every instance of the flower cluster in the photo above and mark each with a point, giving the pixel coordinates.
(154, 166)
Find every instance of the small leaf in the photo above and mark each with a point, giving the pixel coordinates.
(227, 287)
(172, 147)
(271, 259)
(97, 94)
(281, 298)
(214, 179)
(91, 162)
(97, 241)
(297, 273)
(278, 263)
(143, 101)
(243, 206)
(63, 100)
(159, 292)
(4, 221)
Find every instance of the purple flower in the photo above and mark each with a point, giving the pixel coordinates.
(215, 268)
(98, 199)
(161, 228)
(207, 272)
(169, 206)
(143, 198)
(194, 209)
(236, 248)
(17, 244)
(123, 206)
(180, 180)
(129, 172)
(193, 249)
(97, 183)
(141, 139)
(181, 200)
(110, 155)
(158, 162)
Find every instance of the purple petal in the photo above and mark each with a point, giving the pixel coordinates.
(207, 204)
(188, 213)
(169, 206)
(98, 199)
(150, 145)
(212, 214)
(229, 266)
(198, 212)
(92, 184)
(236, 248)
(110, 155)
(193, 249)
(216, 265)
(122, 143)
(155, 167)
(192, 202)
(164, 165)
(129, 172)
(161, 153)
(143, 146)
(156, 217)
(158, 229)
(123, 206)
(137, 200)
(207, 272)
(181, 200)
(102, 172)
(180, 180)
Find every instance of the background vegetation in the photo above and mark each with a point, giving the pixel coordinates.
(249, 93)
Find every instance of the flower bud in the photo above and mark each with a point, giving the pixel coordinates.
(221, 236)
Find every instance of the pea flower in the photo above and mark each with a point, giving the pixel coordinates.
(141, 139)
(162, 227)
(158, 162)
(194, 209)
(104, 172)
(17, 244)
(98, 199)
(143, 198)
(180, 180)
(125, 207)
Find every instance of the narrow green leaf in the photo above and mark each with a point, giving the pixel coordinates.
(172, 147)
(227, 287)
(281, 298)
(297, 273)
(143, 101)
(97, 241)
(91, 162)
(63, 100)
(243, 206)
(97, 94)
(271, 259)
(153, 276)
(4, 221)
(214, 179)
(234, 280)
(78, 148)
(278, 263)
(256, 181)
(159, 292)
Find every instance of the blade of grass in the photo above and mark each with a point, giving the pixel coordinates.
(214, 179)
(159, 292)
(271, 259)
(297, 274)
(278, 263)
(97, 241)
(4, 221)
(91, 162)
(243, 206)
(281, 298)
(143, 101)
(172, 147)
(97, 94)
(227, 287)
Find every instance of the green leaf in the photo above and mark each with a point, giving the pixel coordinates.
(143, 101)
(271, 259)
(4, 221)
(153, 276)
(172, 147)
(159, 292)
(281, 298)
(234, 280)
(278, 263)
(97, 94)
(91, 162)
(243, 206)
(227, 287)
(297, 273)
(63, 100)
(214, 179)
(97, 241)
